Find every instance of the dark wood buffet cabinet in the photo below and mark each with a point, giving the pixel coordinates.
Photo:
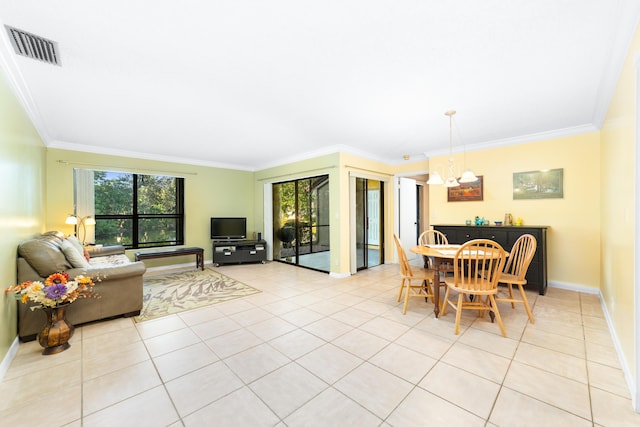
(506, 236)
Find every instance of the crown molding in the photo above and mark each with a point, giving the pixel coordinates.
(61, 145)
(523, 139)
(337, 148)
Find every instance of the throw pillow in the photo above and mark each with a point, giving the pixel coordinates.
(76, 259)
(44, 256)
(87, 255)
(76, 244)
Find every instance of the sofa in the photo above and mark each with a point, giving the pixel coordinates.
(118, 281)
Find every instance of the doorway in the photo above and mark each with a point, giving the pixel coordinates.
(369, 223)
(412, 211)
(301, 222)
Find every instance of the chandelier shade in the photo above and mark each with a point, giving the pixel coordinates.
(468, 176)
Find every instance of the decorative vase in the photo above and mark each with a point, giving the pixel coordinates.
(56, 333)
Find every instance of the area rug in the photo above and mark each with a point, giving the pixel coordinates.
(177, 292)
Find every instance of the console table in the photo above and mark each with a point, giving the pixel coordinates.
(198, 252)
(506, 236)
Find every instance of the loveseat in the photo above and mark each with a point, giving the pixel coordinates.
(118, 280)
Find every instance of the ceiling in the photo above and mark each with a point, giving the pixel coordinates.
(251, 84)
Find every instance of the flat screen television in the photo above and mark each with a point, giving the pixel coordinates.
(228, 228)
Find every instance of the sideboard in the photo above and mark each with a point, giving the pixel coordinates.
(506, 236)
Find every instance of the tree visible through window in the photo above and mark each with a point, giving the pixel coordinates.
(138, 211)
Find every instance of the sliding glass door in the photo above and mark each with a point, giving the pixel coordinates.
(301, 222)
(369, 223)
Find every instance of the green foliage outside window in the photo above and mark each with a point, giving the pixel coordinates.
(138, 210)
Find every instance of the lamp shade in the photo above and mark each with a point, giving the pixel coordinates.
(71, 219)
(451, 182)
(468, 176)
(435, 178)
(90, 221)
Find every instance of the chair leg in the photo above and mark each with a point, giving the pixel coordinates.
(425, 287)
(443, 308)
(526, 304)
(429, 290)
(459, 312)
(406, 297)
(401, 289)
(511, 295)
(484, 303)
(498, 317)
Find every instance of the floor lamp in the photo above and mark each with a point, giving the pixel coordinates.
(76, 221)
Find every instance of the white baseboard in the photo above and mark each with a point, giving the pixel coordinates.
(575, 287)
(339, 275)
(628, 376)
(8, 358)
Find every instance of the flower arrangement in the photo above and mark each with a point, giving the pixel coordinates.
(56, 290)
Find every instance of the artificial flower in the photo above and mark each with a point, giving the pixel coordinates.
(56, 290)
(56, 278)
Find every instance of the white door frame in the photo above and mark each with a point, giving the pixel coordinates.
(636, 274)
(267, 214)
(353, 254)
(408, 214)
(396, 205)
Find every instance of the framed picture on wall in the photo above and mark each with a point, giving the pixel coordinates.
(466, 192)
(542, 184)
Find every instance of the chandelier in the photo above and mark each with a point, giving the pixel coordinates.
(451, 181)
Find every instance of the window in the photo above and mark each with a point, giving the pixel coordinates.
(136, 211)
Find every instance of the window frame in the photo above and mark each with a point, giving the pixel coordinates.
(135, 217)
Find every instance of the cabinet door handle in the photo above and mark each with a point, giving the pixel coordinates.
(493, 237)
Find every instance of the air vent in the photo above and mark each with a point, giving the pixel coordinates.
(33, 46)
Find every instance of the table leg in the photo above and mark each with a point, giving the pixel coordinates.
(436, 292)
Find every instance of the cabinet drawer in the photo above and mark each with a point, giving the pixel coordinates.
(498, 236)
(464, 235)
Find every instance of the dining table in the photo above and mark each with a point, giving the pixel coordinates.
(442, 256)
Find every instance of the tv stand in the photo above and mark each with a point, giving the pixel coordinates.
(239, 251)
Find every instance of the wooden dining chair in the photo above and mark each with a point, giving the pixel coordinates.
(515, 270)
(476, 269)
(434, 237)
(417, 284)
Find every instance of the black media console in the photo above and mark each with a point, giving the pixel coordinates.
(237, 252)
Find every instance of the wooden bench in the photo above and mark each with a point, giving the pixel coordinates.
(198, 252)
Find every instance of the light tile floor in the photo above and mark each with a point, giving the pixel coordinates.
(315, 351)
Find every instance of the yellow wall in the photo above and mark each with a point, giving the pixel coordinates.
(22, 210)
(618, 168)
(208, 192)
(573, 239)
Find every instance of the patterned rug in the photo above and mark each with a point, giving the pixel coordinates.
(177, 292)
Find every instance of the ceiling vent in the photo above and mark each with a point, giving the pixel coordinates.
(33, 46)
